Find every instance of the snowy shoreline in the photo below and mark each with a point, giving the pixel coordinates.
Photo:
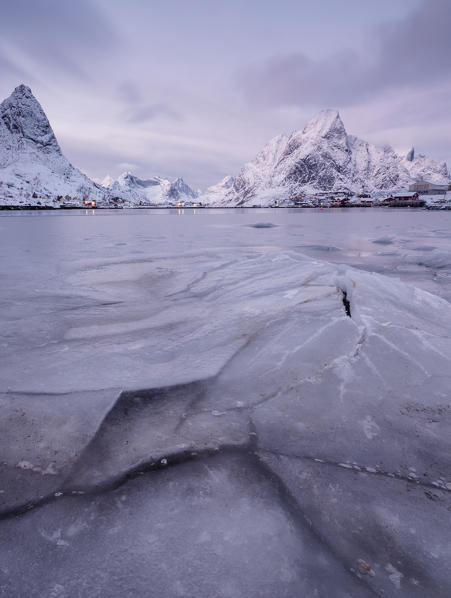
(164, 207)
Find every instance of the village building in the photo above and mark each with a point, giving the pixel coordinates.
(404, 199)
(427, 188)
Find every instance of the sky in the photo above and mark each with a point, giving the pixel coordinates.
(195, 88)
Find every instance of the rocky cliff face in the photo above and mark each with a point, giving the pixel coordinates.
(423, 168)
(324, 158)
(24, 128)
(33, 169)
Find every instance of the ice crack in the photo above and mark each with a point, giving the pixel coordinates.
(346, 303)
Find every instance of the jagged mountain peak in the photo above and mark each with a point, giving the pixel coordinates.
(179, 188)
(128, 179)
(24, 125)
(126, 175)
(179, 185)
(325, 129)
(410, 157)
(153, 190)
(108, 181)
(324, 158)
(325, 124)
(23, 90)
(227, 181)
(33, 169)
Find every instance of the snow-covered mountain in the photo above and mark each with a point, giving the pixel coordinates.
(215, 194)
(152, 191)
(422, 168)
(324, 158)
(321, 158)
(33, 169)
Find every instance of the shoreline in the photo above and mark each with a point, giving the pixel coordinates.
(16, 208)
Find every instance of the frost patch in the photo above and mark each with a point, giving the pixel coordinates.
(54, 537)
(395, 576)
(370, 427)
(25, 465)
(49, 470)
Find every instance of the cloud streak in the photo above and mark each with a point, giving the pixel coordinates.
(155, 83)
(142, 114)
(411, 52)
(63, 36)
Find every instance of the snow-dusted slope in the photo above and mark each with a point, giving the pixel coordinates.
(153, 191)
(215, 194)
(323, 157)
(33, 169)
(423, 168)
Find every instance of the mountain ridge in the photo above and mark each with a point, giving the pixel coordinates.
(35, 172)
(154, 190)
(321, 158)
(324, 158)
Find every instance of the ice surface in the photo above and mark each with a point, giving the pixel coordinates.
(372, 532)
(189, 410)
(434, 258)
(43, 436)
(218, 527)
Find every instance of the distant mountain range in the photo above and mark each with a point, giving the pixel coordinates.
(321, 158)
(154, 191)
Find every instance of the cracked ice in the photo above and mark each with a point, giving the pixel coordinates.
(196, 413)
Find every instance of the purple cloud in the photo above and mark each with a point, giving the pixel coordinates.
(411, 52)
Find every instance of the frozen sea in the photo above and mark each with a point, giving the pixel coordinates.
(225, 403)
